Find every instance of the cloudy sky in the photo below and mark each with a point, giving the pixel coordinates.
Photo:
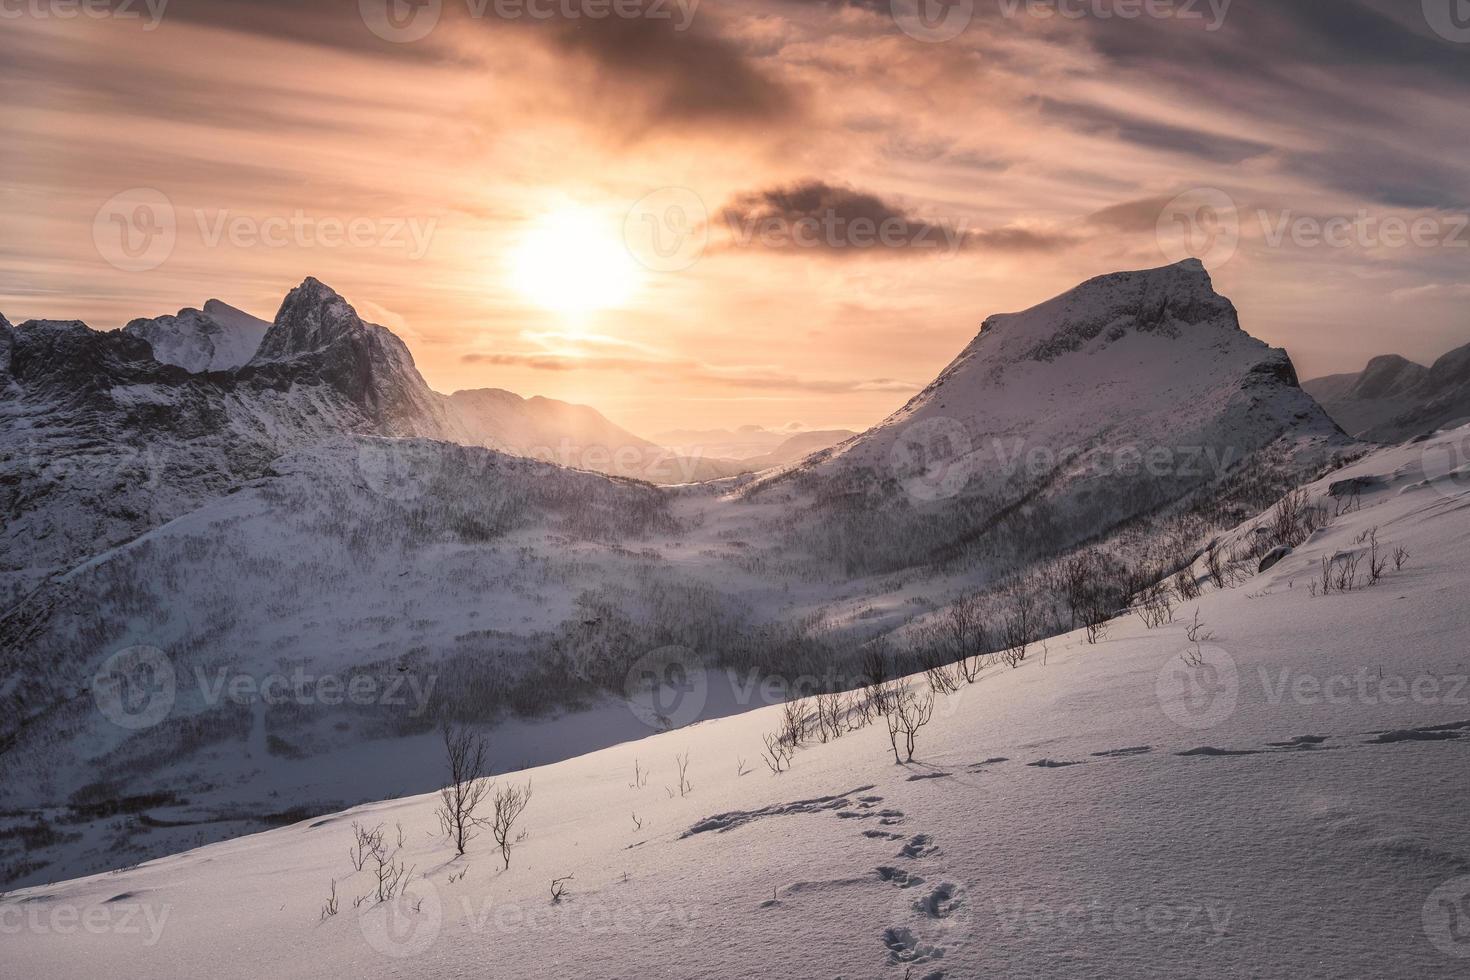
(737, 212)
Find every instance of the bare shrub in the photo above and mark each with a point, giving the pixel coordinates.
(685, 786)
(777, 755)
(1400, 556)
(510, 801)
(467, 787)
(1186, 585)
(392, 875)
(559, 887)
(907, 714)
(1215, 568)
(366, 843)
(793, 722)
(330, 908)
(831, 715)
(1155, 605)
(1377, 558)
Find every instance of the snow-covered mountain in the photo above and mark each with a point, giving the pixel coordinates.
(1129, 395)
(1394, 398)
(100, 441)
(293, 527)
(216, 338)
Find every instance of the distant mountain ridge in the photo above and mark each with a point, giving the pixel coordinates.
(1393, 398)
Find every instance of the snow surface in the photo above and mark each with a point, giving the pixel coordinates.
(1292, 808)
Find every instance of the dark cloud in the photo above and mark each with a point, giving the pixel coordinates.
(685, 76)
(670, 65)
(814, 217)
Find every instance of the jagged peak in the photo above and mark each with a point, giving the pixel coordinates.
(311, 317)
(1164, 301)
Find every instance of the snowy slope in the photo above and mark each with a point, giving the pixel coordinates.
(1291, 807)
(216, 338)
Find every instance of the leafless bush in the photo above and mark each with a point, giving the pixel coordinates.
(1020, 625)
(1377, 557)
(640, 778)
(1155, 605)
(510, 801)
(1215, 568)
(906, 715)
(1186, 585)
(392, 875)
(777, 755)
(467, 787)
(559, 887)
(366, 843)
(942, 678)
(960, 638)
(1400, 556)
(831, 715)
(1346, 577)
(1197, 636)
(330, 908)
(793, 722)
(685, 786)
(876, 670)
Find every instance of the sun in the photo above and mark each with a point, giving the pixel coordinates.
(572, 262)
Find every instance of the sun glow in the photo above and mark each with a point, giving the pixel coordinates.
(573, 262)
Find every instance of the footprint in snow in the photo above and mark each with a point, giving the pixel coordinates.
(920, 845)
(1300, 744)
(1122, 753)
(899, 877)
(1210, 751)
(905, 947)
(942, 902)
